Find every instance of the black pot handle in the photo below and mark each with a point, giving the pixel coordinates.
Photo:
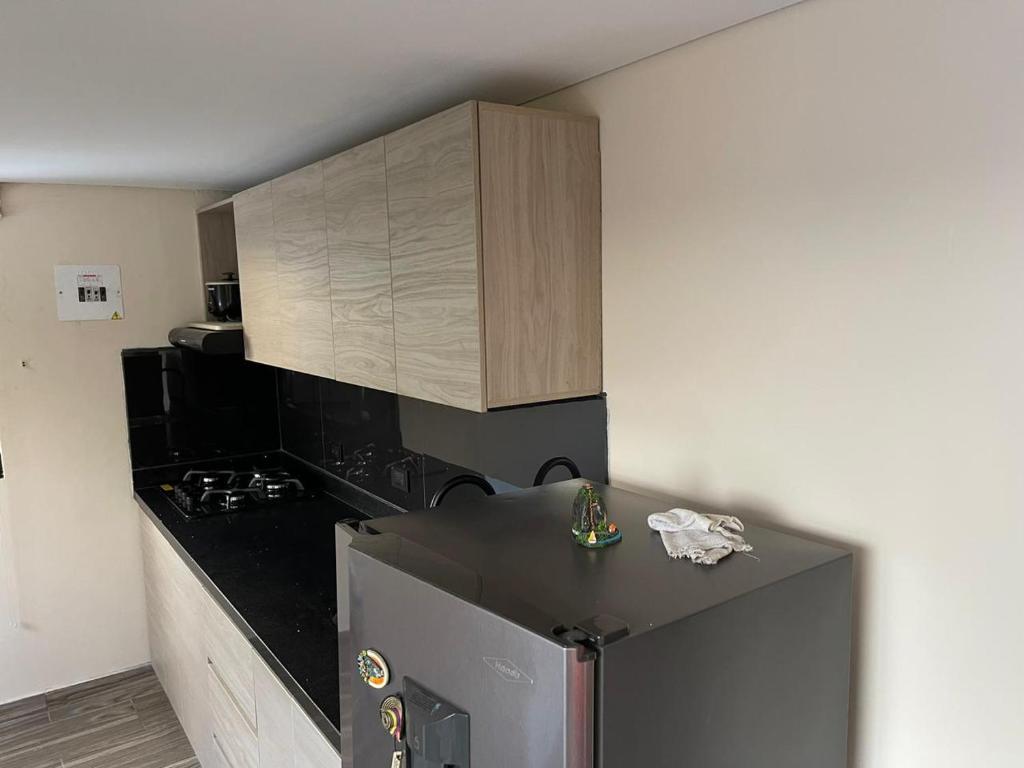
(557, 461)
(455, 482)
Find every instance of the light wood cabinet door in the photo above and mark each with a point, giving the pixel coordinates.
(355, 193)
(174, 606)
(287, 737)
(231, 657)
(435, 259)
(274, 715)
(303, 273)
(312, 750)
(540, 202)
(232, 736)
(257, 274)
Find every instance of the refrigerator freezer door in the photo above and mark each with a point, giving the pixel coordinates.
(529, 699)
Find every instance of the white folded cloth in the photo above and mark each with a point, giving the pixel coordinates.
(704, 539)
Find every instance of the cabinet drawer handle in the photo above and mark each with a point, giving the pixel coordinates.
(231, 696)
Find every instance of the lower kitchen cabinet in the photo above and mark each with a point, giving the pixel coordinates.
(232, 735)
(174, 609)
(231, 659)
(233, 708)
(287, 737)
(274, 708)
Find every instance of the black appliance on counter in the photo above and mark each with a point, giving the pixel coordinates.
(185, 407)
(507, 644)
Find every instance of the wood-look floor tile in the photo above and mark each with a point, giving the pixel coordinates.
(102, 693)
(122, 721)
(70, 737)
(159, 748)
(22, 707)
(25, 721)
(29, 760)
(154, 709)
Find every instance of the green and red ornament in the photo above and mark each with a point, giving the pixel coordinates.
(590, 525)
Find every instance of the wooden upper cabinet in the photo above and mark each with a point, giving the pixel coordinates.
(540, 202)
(257, 274)
(303, 272)
(495, 219)
(457, 260)
(435, 259)
(355, 192)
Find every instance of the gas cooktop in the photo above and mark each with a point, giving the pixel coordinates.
(219, 490)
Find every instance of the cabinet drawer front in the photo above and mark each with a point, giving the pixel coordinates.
(231, 658)
(232, 735)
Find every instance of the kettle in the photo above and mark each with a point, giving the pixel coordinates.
(223, 299)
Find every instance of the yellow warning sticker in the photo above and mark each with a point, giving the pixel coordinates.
(116, 316)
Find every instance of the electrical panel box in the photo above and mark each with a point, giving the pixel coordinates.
(89, 292)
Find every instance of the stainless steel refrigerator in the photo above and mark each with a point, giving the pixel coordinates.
(507, 645)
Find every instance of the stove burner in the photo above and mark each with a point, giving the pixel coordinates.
(208, 479)
(207, 492)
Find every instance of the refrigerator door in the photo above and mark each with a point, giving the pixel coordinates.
(525, 700)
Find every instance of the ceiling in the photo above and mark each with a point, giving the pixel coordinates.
(223, 94)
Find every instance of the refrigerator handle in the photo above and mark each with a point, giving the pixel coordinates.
(595, 632)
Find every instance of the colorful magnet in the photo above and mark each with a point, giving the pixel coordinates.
(373, 669)
(392, 716)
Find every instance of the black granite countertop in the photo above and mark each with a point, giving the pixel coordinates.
(273, 570)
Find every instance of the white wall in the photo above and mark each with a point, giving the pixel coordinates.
(813, 303)
(66, 500)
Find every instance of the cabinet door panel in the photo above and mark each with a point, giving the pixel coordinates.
(174, 600)
(274, 715)
(355, 191)
(437, 298)
(303, 272)
(311, 748)
(257, 274)
(434, 226)
(540, 195)
(433, 155)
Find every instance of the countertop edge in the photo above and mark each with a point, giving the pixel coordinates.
(322, 722)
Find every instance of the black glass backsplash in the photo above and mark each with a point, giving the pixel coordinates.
(184, 407)
(403, 450)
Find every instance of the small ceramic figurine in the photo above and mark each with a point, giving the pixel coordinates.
(590, 526)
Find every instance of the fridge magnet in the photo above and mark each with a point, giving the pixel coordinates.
(372, 668)
(392, 716)
(590, 525)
